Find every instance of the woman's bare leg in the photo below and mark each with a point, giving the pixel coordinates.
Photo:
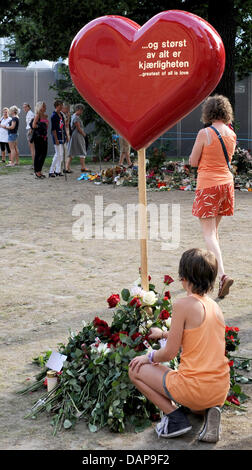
(149, 381)
(210, 233)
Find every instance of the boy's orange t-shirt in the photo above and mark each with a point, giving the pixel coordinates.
(203, 377)
(213, 169)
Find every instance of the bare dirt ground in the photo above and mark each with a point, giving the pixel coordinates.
(50, 282)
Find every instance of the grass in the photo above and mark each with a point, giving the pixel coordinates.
(27, 161)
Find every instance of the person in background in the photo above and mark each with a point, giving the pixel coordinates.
(4, 121)
(59, 137)
(40, 126)
(214, 195)
(124, 152)
(13, 135)
(29, 117)
(77, 145)
(67, 117)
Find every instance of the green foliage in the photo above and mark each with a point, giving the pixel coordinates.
(41, 29)
(94, 382)
(67, 92)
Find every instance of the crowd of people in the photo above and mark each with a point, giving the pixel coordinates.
(67, 132)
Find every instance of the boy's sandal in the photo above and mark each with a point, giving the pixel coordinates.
(225, 283)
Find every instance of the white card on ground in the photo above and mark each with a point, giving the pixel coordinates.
(55, 361)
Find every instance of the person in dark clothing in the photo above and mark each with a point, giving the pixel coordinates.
(59, 137)
(40, 126)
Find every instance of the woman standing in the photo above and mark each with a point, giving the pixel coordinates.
(77, 145)
(214, 195)
(40, 126)
(4, 121)
(13, 135)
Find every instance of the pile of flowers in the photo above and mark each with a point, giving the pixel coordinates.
(236, 396)
(165, 175)
(94, 382)
(242, 161)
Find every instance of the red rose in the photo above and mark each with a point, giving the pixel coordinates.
(135, 302)
(98, 322)
(113, 300)
(233, 399)
(115, 338)
(167, 294)
(168, 279)
(164, 314)
(103, 330)
(135, 335)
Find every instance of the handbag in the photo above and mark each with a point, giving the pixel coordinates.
(224, 149)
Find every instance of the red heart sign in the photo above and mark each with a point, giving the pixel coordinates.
(142, 80)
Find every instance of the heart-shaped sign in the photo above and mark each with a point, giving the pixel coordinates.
(143, 80)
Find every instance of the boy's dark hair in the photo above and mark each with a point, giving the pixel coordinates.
(199, 268)
(57, 103)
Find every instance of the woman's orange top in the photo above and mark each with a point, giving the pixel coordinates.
(213, 169)
(203, 377)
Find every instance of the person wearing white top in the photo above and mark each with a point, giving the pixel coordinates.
(4, 121)
(29, 116)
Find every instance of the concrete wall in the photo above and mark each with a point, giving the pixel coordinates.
(182, 136)
(18, 86)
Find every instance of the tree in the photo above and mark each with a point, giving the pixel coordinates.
(44, 29)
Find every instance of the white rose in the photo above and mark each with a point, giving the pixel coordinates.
(149, 298)
(103, 348)
(168, 322)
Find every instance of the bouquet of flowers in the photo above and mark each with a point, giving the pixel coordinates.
(94, 382)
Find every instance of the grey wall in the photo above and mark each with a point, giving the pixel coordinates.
(19, 85)
(182, 136)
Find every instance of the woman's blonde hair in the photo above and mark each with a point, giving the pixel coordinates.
(38, 106)
(215, 108)
(14, 109)
(6, 109)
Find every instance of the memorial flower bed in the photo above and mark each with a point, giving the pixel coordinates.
(93, 383)
(164, 175)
